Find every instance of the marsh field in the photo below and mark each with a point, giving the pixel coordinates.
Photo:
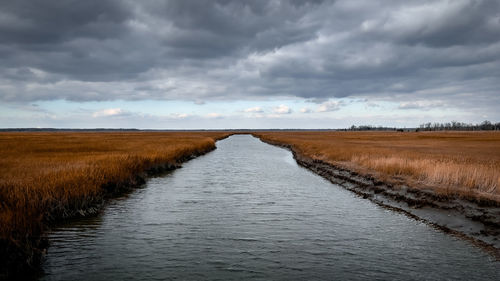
(48, 177)
(465, 164)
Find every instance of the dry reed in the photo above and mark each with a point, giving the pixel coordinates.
(466, 164)
(46, 176)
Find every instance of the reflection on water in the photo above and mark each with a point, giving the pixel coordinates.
(247, 211)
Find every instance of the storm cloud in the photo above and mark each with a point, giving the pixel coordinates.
(406, 51)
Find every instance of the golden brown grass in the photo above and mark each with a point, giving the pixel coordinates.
(451, 163)
(48, 175)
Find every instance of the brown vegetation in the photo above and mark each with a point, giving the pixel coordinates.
(47, 176)
(465, 164)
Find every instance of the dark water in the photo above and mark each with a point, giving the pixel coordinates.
(247, 211)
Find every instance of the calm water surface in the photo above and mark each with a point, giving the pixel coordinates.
(248, 211)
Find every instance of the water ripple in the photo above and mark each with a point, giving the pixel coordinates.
(247, 211)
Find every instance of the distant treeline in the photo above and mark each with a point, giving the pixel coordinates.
(459, 126)
(375, 128)
(450, 126)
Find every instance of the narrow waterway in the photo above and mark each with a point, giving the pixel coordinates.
(248, 211)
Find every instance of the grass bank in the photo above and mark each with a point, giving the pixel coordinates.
(449, 180)
(45, 177)
(463, 164)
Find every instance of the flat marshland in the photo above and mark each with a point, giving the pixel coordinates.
(45, 177)
(49, 176)
(464, 164)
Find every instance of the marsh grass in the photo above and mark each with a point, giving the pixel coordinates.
(465, 164)
(48, 176)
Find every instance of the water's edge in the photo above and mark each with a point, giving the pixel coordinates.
(467, 220)
(456, 218)
(248, 210)
(25, 262)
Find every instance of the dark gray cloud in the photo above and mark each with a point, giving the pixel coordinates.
(31, 23)
(444, 24)
(223, 50)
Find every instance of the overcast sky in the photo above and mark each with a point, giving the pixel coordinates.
(247, 64)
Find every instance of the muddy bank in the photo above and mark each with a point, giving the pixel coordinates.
(21, 259)
(476, 221)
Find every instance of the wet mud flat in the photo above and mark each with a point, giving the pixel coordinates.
(477, 222)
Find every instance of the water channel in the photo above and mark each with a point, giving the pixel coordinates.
(248, 211)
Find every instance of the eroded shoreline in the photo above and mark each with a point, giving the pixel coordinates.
(472, 221)
(468, 220)
(21, 259)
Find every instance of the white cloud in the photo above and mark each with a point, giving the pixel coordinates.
(179, 115)
(256, 109)
(282, 109)
(214, 115)
(421, 105)
(305, 110)
(330, 106)
(109, 112)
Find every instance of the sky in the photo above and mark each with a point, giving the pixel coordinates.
(186, 64)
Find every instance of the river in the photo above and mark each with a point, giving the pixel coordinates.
(248, 211)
